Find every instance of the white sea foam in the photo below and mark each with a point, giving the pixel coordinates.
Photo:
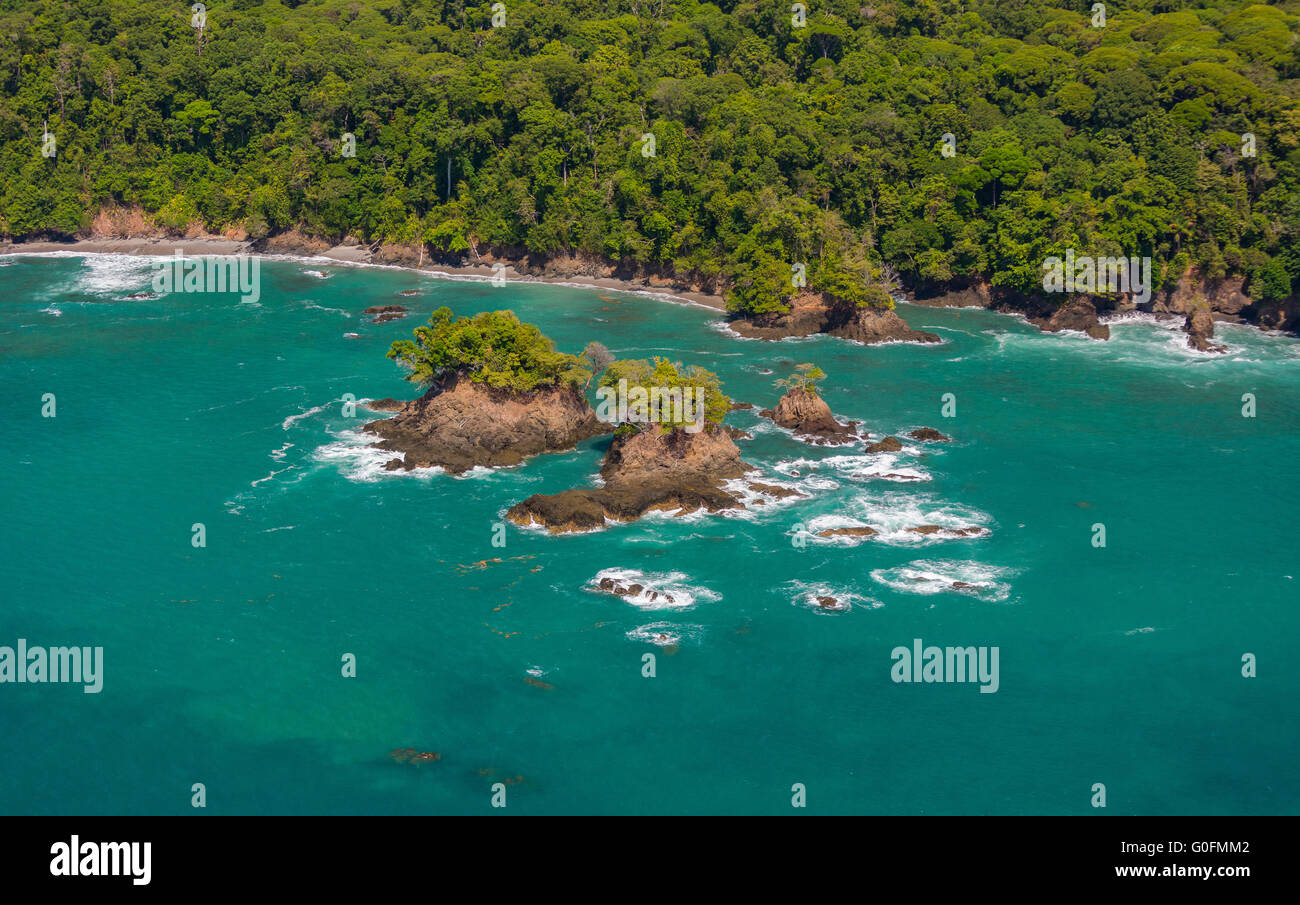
(892, 514)
(52, 311)
(294, 419)
(318, 274)
(115, 274)
(666, 634)
(659, 590)
(314, 307)
(937, 576)
(273, 473)
(810, 595)
(864, 467)
(362, 462)
(756, 500)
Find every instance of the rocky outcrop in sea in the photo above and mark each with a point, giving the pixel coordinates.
(644, 471)
(459, 424)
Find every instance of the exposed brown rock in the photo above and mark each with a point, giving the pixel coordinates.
(928, 435)
(808, 415)
(460, 424)
(385, 313)
(1193, 291)
(1199, 327)
(644, 472)
(816, 313)
(881, 325)
(772, 490)
(1078, 313)
(388, 404)
(889, 444)
(851, 531)
(949, 532)
(977, 295)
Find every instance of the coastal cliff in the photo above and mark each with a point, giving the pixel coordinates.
(812, 313)
(1224, 299)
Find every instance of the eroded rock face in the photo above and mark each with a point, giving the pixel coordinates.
(460, 424)
(887, 445)
(814, 313)
(808, 415)
(1199, 327)
(881, 325)
(643, 472)
(1193, 291)
(1079, 313)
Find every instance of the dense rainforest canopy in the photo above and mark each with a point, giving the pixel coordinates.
(938, 141)
(493, 347)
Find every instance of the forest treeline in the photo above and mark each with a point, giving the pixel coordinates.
(936, 142)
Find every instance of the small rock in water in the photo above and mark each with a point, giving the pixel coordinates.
(851, 531)
(928, 435)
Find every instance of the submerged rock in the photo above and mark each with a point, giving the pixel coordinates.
(385, 313)
(772, 490)
(947, 532)
(460, 424)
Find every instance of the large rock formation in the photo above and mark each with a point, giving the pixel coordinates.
(643, 472)
(459, 424)
(1193, 290)
(814, 313)
(1078, 313)
(880, 325)
(1199, 327)
(808, 415)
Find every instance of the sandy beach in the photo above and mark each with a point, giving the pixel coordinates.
(349, 254)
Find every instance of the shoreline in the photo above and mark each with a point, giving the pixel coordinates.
(359, 255)
(355, 255)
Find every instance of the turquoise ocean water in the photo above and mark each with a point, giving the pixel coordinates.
(1119, 665)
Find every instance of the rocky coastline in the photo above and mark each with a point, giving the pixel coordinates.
(1197, 300)
(459, 424)
(1225, 298)
(645, 471)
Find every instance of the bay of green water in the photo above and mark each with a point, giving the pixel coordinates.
(1119, 665)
